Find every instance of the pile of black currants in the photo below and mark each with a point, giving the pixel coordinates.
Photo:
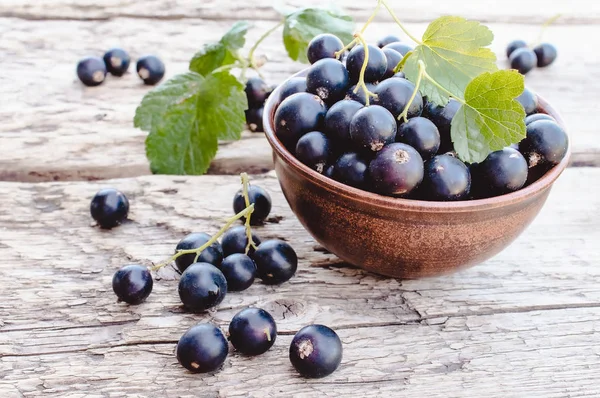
(524, 59)
(257, 92)
(329, 123)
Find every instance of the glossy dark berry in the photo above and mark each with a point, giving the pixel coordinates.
(132, 283)
(316, 351)
(315, 150)
(396, 170)
(292, 86)
(91, 71)
(202, 286)
(297, 115)
(276, 261)
(234, 240)
(212, 254)
(401, 47)
(359, 95)
(329, 171)
(546, 54)
(501, 172)
(529, 101)
(446, 178)
(442, 116)
(338, 118)
(401, 75)
(327, 78)
(150, 69)
(254, 119)
(252, 331)
(117, 61)
(351, 169)
(523, 60)
(376, 66)
(393, 59)
(262, 203)
(384, 41)
(257, 92)
(538, 116)
(393, 94)
(323, 46)
(202, 348)
(109, 208)
(421, 134)
(239, 271)
(546, 143)
(372, 128)
(514, 45)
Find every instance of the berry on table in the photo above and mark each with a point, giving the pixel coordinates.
(91, 71)
(239, 271)
(501, 172)
(376, 66)
(257, 92)
(351, 169)
(117, 61)
(132, 283)
(514, 45)
(297, 115)
(323, 46)
(546, 54)
(421, 134)
(538, 116)
(316, 351)
(262, 203)
(150, 69)
(254, 119)
(292, 86)
(314, 149)
(396, 170)
(384, 41)
(212, 254)
(393, 59)
(372, 128)
(252, 331)
(401, 47)
(202, 286)
(327, 78)
(446, 178)
(276, 261)
(109, 208)
(523, 60)
(202, 348)
(546, 143)
(235, 240)
(442, 116)
(393, 94)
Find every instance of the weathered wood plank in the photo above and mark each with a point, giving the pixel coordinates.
(90, 130)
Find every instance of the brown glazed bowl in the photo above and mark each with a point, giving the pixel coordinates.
(404, 238)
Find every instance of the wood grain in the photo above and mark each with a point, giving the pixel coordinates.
(525, 323)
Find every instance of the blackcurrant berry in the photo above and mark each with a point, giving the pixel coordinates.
(384, 41)
(212, 254)
(235, 240)
(351, 169)
(327, 78)
(329, 171)
(393, 59)
(109, 208)
(202, 286)
(442, 116)
(276, 261)
(262, 203)
(239, 271)
(402, 48)
(338, 118)
(117, 61)
(372, 128)
(538, 116)
(421, 134)
(252, 331)
(323, 46)
(514, 45)
(546, 54)
(523, 60)
(202, 348)
(396, 170)
(316, 351)
(314, 149)
(393, 94)
(257, 92)
(150, 69)
(376, 66)
(546, 143)
(292, 86)
(91, 71)
(501, 172)
(254, 119)
(297, 115)
(446, 178)
(401, 75)
(360, 95)
(529, 101)
(132, 283)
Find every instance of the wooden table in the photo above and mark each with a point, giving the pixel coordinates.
(523, 324)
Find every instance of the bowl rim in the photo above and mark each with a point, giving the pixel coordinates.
(388, 202)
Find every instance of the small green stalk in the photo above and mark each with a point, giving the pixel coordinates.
(402, 62)
(361, 78)
(404, 113)
(385, 4)
(245, 185)
(260, 40)
(545, 25)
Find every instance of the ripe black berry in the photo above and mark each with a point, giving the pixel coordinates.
(276, 261)
(150, 69)
(239, 271)
(202, 348)
(109, 208)
(329, 171)
(514, 45)
(393, 59)
(252, 331)
(297, 115)
(546, 54)
(257, 92)
(234, 240)
(202, 286)
(442, 116)
(316, 351)
(393, 94)
(538, 116)
(446, 178)
(351, 169)
(338, 118)
(262, 203)
(376, 66)
(117, 61)
(546, 143)
(372, 128)
(254, 119)
(360, 95)
(421, 134)
(327, 78)
(402, 48)
(132, 283)
(384, 41)
(523, 60)
(529, 101)
(91, 71)
(501, 172)
(212, 254)
(314, 149)
(292, 86)
(396, 170)
(323, 46)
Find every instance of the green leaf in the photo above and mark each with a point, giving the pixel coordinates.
(224, 52)
(491, 117)
(301, 26)
(453, 50)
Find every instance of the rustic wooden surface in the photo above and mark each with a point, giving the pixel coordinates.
(523, 324)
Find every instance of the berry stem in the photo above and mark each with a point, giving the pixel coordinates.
(404, 113)
(245, 184)
(402, 62)
(545, 25)
(338, 54)
(385, 4)
(260, 40)
(361, 78)
(268, 334)
(375, 11)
